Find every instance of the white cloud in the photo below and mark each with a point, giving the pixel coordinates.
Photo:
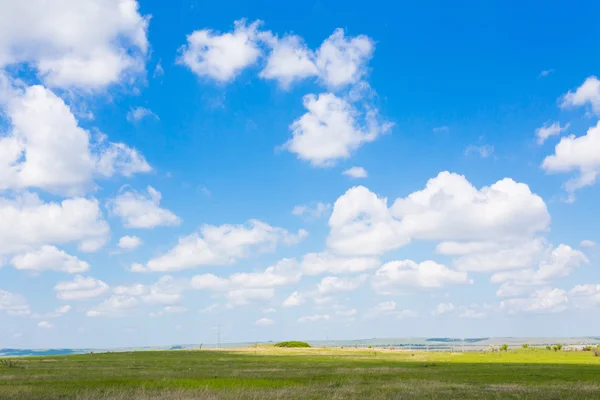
(320, 263)
(356, 172)
(242, 287)
(269, 310)
(166, 291)
(49, 258)
(449, 209)
(483, 151)
(541, 301)
(13, 303)
(558, 263)
(264, 322)
(59, 312)
(139, 113)
(70, 48)
(140, 211)
(115, 306)
(346, 313)
(80, 288)
(342, 60)
(389, 308)
(47, 149)
(130, 242)
(545, 73)
(238, 297)
(28, 223)
(45, 325)
(290, 60)
(549, 129)
(577, 153)
(294, 299)
(339, 61)
(587, 243)
(471, 313)
(443, 308)
(222, 56)
(313, 318)
(587, 93)
(585, 296)
(333, 284)
(332, 129)
(312, 211)
(222, 245)
(394, 276)
(441, 129)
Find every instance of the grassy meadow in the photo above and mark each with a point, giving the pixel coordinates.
(316, 373)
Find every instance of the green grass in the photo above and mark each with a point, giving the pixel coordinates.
(275, 373)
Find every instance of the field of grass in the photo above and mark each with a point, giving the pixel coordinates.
(274, 373)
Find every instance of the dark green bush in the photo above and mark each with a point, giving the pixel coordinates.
(292, 344)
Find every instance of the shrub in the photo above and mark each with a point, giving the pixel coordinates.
(596, 352)
(587, 348)
(9, 363)
(559, 346)
(504, 347)
(292, 344)
(525, 346)
(555, 348)
(370, 347)
(200, 346)
(548, 347)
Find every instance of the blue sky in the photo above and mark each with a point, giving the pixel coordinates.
(297, 171)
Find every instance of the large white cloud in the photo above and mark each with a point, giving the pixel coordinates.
(80, 288)
(449, 209)
(140, 211)
(290, 60)
(334, 284)
(74, 43)
(332, 129)
(400, 276)
(221, 245)
(580, 154)
(46, 148)
(28, 223)
(49, 258)
(222, 56)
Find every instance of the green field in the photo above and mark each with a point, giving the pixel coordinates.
(270, 373)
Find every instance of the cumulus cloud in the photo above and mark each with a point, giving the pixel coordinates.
(137, 210)
(294, 299)
(334, 284)
(585, 296)
(222, 56)
(49, 258)
(70, 49)
(356, 172)
(240, 287)
(586, 94)
(339, 61)
(222, 245)
(587, 243)
(541, 301)
(45, 325)
(28, 223)
(449, 209)
(13, 303)
(46, 148)
(290, 60)
(130, 242)
(114, 306)
(549, 129)
(324, 262)
(80, 288)
(443, 308)
(580, 154)
(332, 129)
(389, 308)
(396, 276)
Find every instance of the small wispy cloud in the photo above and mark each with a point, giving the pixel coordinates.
(138, 113)
(483, 151)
